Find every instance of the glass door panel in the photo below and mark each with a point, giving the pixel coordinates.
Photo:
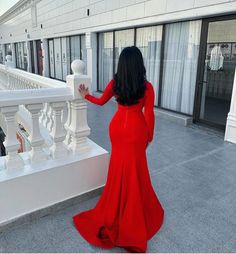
(123, 38)
(148, 40)
(219, 68)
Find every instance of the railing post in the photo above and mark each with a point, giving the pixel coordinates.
(37, 154)
(78, 127)
(58, 133)
(13, 159)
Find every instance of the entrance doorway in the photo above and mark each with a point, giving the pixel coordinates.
(216, 68)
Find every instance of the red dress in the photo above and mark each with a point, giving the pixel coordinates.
(128, 212)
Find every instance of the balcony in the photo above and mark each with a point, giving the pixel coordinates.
(192, 170)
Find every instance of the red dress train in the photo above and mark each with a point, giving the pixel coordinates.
(128, 212)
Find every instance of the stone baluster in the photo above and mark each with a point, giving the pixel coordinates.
(50, 119)
(58, 133)
(37, 154)
(78, 127)
(13, 159)
(43, 114)
(67, 123)
(45, 119)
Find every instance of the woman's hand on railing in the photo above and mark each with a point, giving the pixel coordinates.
(83, 91)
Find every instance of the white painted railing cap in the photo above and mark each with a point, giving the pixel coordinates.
(78, 77)
(78, 67)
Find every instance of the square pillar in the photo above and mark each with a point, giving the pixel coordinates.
(230, 131)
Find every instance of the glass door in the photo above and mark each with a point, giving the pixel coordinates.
(217, 72)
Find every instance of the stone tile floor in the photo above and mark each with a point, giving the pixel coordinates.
(194, 175)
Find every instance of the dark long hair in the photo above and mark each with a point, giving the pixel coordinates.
(130, 77)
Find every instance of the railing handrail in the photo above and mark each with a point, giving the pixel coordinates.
(33, 96)
(38, 80)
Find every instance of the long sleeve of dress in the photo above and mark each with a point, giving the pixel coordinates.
(105, 97)
(149, 110)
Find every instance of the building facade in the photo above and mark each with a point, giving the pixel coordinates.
(189, 47)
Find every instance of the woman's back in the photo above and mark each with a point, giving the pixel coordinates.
(147, 101)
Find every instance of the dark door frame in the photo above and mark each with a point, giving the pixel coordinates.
(200, 69)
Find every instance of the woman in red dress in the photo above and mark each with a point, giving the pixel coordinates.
(128, 212)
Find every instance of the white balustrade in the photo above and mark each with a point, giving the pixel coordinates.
(56, 111)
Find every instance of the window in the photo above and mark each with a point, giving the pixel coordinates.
(75, 47)
(171, 66)
(123, 38)
(62, 51)
(148, 40)
(8, 50)
(1, 54)
(105, 52)
(21, 55)
(65, 51)
(83, 51)
(180, 65)
(51, 58)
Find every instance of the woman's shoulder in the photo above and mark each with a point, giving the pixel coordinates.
(149, 87)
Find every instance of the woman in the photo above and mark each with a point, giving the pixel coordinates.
(128, 212)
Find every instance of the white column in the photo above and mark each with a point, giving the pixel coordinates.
(58, 149)
(13, 159)
(78, 128)
(230, 132)
(91, 46)
(37, 154)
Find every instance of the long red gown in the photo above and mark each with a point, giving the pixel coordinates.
(128, 212)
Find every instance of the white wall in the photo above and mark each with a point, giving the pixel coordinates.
(61, 17)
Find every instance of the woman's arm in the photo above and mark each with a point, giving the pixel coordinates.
(105, 97)
(149, 110)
